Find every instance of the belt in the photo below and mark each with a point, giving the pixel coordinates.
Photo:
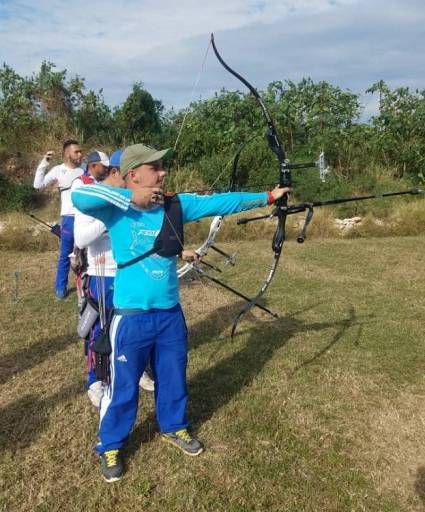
(139, 311)
(130, 311)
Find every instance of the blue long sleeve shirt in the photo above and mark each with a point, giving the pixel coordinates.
(152, 282)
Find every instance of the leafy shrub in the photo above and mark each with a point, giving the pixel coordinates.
(14, 196)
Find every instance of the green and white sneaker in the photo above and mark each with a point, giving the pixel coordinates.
(111, 465)
(184, 441)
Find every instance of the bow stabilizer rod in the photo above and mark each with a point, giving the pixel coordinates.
(309, 207)
(295, 208)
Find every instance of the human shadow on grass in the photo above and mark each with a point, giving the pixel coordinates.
(213, 388)
(344, 324)
(217, 324)
(22, 421)
(420, 483)
(143, 433)
(31, 356)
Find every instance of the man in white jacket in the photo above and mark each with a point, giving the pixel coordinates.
(63, 176)
(91, 234)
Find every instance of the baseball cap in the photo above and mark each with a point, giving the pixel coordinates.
(139, 154)
(98, 156)
(114, 161)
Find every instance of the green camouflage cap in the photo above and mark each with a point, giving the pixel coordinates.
(139, 154)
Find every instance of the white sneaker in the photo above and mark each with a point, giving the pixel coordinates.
(146, 382)
(95, 393)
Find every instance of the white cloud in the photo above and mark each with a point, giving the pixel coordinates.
(351, 43)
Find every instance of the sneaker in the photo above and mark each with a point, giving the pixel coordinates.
(111, 465)
(184, 441)
(95, 393)
(61, 294)
(146, 382)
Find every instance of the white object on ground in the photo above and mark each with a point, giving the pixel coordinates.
(146, 382)
(95, 393)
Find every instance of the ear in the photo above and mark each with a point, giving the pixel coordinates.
(133, 176)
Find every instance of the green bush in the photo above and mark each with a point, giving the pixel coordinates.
(14, 196)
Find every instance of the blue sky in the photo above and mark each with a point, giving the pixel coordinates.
(350, 43)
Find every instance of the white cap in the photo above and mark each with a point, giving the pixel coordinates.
(98, 156)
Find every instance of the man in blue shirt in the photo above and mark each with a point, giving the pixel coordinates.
(146, 232)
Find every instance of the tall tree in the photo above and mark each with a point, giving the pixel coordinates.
(139, 118)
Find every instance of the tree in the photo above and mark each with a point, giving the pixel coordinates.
(18, 113)
(139, 118)
(93, 120)
(399, 137)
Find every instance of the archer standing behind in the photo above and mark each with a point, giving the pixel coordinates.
(63, 176)
(91, 234)
(148, 323)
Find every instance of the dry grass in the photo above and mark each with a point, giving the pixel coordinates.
(396, 434)
(406, 219)
(20, 233)
(318, 410)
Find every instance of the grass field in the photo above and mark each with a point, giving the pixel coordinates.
(320, 410)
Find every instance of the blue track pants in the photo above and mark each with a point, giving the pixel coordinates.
(158, 336)
(66, 248)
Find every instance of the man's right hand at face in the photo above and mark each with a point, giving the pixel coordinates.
(146, 197)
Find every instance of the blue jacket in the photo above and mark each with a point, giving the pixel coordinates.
(152, 282)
